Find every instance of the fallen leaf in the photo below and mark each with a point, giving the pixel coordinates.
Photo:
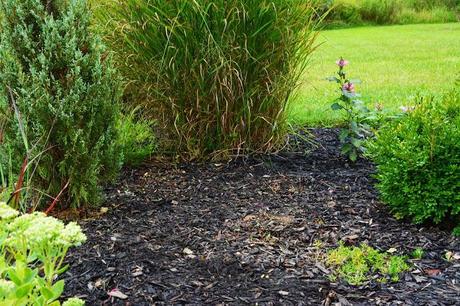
(99, 283)
(282, 219)
(351, 237)
(187, 251)
(118, 294)
(392, 250)
(433, 272)
(419, 279)
(249, 218)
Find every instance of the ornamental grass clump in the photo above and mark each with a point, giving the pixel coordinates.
(217, 75)
(59, 95)
(32, 251)
(418, 161)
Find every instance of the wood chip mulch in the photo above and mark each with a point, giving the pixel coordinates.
(253, 232)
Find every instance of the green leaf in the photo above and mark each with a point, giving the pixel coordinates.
(29, 275)
(354, 127)
(40, 301)
(346, 148)
(357, 143)
(14, 277)
(47, 293)
(343, 135)
(58, 288)
(353, 155)
(62, 270)
(24, 290)
(336, 106)
(333, 79)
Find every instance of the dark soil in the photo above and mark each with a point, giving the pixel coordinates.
(253, 232)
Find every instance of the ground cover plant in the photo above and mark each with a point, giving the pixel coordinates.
(395, 63)
(59, 95)
(217, 75)
(418, 161)
(357, 265)
(32, 252)
(365, 12)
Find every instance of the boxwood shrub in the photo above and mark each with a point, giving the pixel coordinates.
(418, 161)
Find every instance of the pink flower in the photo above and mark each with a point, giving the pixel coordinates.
(342, 63)
(350, 87)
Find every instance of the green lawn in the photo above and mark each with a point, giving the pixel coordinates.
(395, 63)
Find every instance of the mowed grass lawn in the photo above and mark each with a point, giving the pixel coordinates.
(395, 63)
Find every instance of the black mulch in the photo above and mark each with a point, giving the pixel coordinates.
(252, 232)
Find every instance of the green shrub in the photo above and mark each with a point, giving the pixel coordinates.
(362, 12)
(32, 252)
(216, 75)
(418, 161)
(137, 139)
(63, 103)
(345, 12)
(380, 12)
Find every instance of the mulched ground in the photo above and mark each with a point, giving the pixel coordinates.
(252, 232)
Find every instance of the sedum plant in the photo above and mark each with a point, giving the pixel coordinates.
(32, 251)
(357, 265)
(216, 74)
(60, 94)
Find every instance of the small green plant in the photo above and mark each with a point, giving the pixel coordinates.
(456, 231)
(357, 265)
(136, 137)
(418, 161)
(356, 114)
(417, 253)
(32, 251)
(60, 94)
(216, 74)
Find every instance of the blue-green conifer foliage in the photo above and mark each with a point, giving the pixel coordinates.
(58, 85)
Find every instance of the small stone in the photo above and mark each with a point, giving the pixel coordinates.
(283, 293)
(187, 251)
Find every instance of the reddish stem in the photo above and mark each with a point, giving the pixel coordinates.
(56, 199)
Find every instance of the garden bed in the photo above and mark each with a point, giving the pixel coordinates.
(252, 231)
